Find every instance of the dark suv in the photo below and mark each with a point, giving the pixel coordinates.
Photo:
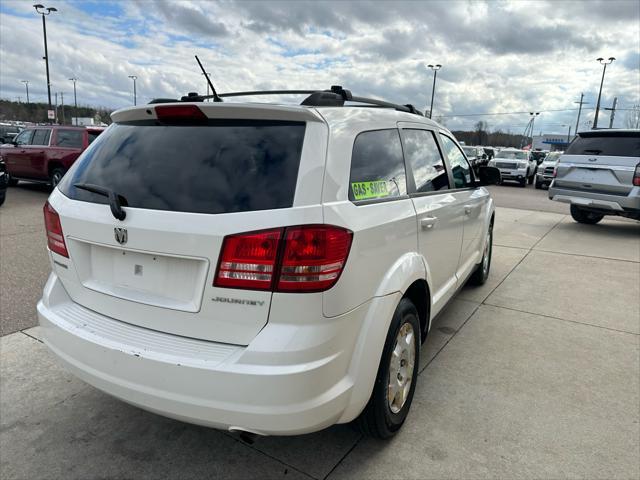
(44, 153)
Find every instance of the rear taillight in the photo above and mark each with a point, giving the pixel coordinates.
(313, 258)
(55, 237)
(636, 176)
(555, 171)
(307, 258)
(249, 260)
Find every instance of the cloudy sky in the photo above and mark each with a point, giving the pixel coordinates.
(497, 56)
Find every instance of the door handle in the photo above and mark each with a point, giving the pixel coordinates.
(428, 222)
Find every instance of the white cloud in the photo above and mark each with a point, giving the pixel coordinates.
(497, 56)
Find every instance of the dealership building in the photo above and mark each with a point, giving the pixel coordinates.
(551, 142)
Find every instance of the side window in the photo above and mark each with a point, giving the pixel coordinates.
(24, 138)
(460, 169)
(422, 153)
(377, 166)
(69, 138)
(41, 137)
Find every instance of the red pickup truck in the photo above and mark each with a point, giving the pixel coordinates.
(44, 153)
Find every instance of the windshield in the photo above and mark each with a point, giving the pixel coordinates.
(469, 151)
(552, 157)
(225, 166)
(513, 154)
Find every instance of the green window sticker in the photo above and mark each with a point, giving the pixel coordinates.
(367, 190)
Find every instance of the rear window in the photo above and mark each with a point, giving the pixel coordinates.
(221, 167)
(69, 138)
(624, 144)
(93, 134)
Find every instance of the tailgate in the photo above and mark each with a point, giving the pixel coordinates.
(183, 189)
(599, 174)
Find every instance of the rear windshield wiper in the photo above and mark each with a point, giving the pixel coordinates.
(593, 150)
(116, 201)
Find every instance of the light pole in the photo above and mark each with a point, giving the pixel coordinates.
(75, 98)
(435, 69)
(134, 78)
(580, 110)
(26, 84)
(604, 69)
(42, 10)
(533, 121)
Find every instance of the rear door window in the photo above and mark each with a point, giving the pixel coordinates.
(377, 166)
(41, 136)
(460, 168)
(424, 160)
(69, 138)
(625, 144)
(220, 167)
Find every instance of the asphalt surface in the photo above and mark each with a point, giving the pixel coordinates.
(536, 374)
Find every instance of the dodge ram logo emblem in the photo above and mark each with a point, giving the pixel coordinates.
(120, 234)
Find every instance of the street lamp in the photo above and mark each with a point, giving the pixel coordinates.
(44, 11)
(435, 69)
(75, 98)
(26, 84)
(604, 69)
(533, 120)
(134, 78)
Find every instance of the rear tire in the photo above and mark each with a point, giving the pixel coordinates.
(383, 417)
(582, 215)
(538, 185)
(523, 182)
(531, 178)
(480, 275)
(56, 176)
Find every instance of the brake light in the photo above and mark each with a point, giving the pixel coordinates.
(248, 260)
(636, 176)
(179, 113)
(555, 171)
(307, 258)
(313, 257)
(55, 237)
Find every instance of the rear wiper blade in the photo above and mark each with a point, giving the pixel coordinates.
(593, 150)
(116, 201)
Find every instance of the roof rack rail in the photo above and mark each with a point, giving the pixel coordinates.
(336, 96)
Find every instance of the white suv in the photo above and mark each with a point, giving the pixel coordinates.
(514, 164)
(267, 269)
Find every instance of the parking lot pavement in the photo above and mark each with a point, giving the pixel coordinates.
(24, 264)
(534, 374)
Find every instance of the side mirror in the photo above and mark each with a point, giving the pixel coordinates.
(484, 156)
(489, 175)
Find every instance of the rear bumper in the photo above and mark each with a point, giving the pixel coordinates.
(615, 203)
(207, 383)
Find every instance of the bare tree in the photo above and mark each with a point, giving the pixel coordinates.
(632, 119)
(481, 128)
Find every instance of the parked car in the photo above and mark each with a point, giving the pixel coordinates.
(599, 175)
(278, 301)
(44, 153)
(475, 155)
(544, 173)
(515, 165)
(3, 181)
(8, 132)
